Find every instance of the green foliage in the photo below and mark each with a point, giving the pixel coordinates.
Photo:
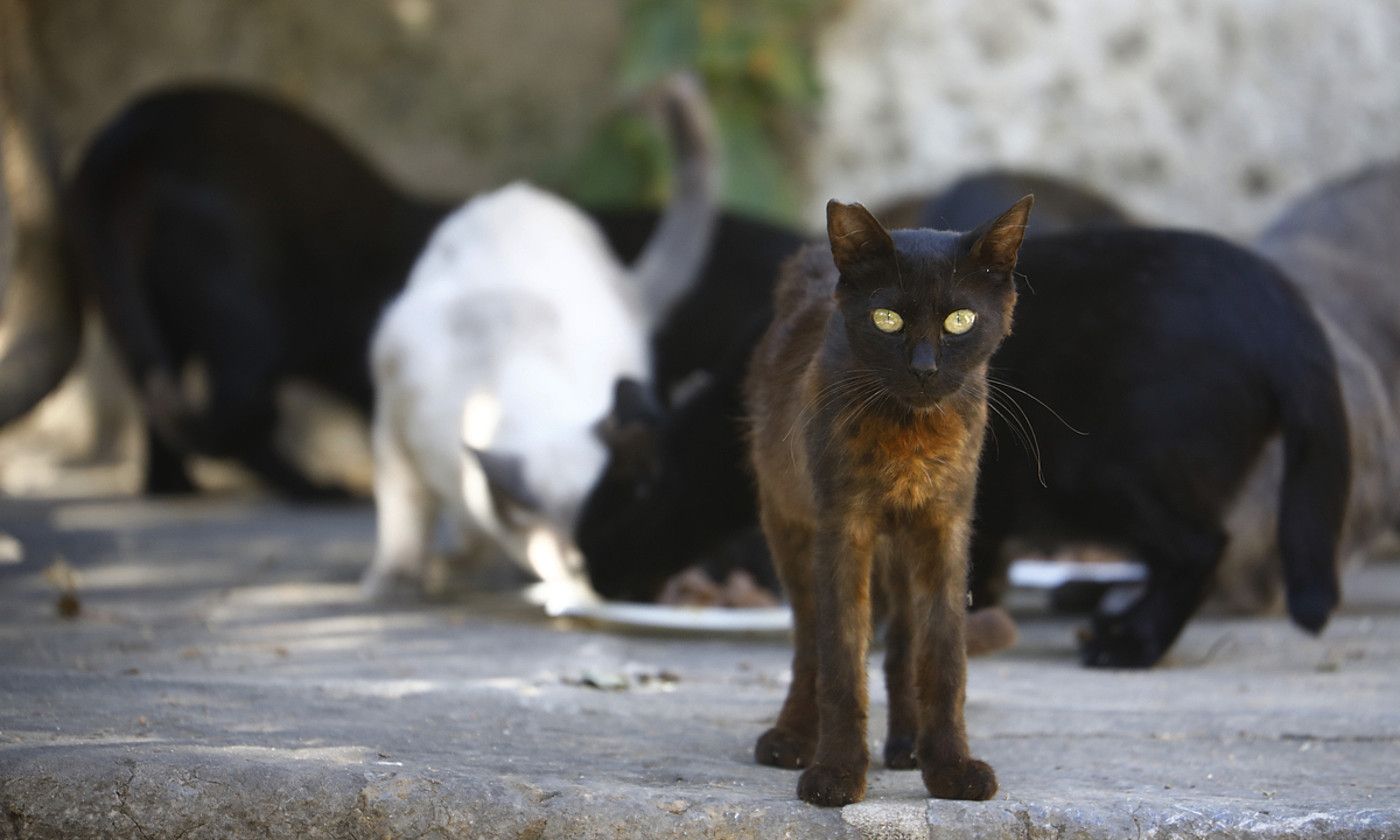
(756, 58)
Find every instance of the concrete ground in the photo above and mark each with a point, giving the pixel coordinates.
(221, 679)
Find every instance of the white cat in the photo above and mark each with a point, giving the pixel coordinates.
(498, 359)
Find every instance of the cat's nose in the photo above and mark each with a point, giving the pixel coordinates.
(924, 361)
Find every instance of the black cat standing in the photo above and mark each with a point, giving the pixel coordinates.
(868, 403)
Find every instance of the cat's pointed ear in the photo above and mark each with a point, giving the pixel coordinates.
(633, 407)
(855, 235)
(630, 429)
(996, 244)
(505, 476)
(633, 402)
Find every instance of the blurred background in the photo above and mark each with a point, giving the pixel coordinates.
(1188, 113)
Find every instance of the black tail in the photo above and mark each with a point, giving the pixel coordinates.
(105, 223)
(1316, 480)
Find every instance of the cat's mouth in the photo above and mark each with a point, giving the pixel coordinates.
(927, 393)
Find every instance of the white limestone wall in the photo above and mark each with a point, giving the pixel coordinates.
(1194, 112)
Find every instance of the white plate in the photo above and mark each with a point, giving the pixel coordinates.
(697, 619)
(1049, 574)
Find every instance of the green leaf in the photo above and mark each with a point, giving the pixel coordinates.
(662, 36)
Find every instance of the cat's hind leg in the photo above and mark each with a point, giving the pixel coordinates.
(792, 740)
(166, 473)
(1182, 553)
(405, 510)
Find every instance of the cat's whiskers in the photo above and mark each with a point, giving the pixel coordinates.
(826, 397)
(876, 393)
(1019, 421)
(851, 385)
(1000, 411)
(857, 406)
(1056, 414)
(1024, 279)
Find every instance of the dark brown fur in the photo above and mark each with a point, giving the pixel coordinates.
(866, 450)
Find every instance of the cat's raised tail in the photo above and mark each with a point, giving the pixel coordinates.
(671, 261)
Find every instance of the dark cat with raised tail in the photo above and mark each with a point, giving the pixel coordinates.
(868, 402)
(224, 227)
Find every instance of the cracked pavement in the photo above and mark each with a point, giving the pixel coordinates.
(222, 679)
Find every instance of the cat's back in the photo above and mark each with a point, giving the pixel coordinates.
(520, 239)
(516, 291)
(309, 214)
(802, 305)
(1144, 287)
(237, 139)
(778, 382)
(1338, 244)
(1181, 333)
(524, 269)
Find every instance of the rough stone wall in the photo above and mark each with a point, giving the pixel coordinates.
(448, 97)
(1207, 113)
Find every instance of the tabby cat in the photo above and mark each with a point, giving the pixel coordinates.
(868, 401)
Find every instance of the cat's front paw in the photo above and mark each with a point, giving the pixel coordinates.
(899, 754)
(391, 586)
(1115, 641)
(964, 779)
(784, 748)
(830, 786)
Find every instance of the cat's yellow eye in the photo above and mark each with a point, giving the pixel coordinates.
(959, 321)
(887, 320)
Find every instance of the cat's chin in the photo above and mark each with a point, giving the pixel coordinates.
(923, 403)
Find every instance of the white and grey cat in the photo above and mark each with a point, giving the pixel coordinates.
(494, 365)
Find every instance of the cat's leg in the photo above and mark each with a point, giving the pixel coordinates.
(793, 738)
(1181, 556)
(166, 473)
(405, 509)
(988, 570)
(241, 422)
(903, 726)
(841, 566)
(209, 290)
(937, 559)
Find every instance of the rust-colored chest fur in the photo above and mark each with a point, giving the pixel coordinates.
(926, 461)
